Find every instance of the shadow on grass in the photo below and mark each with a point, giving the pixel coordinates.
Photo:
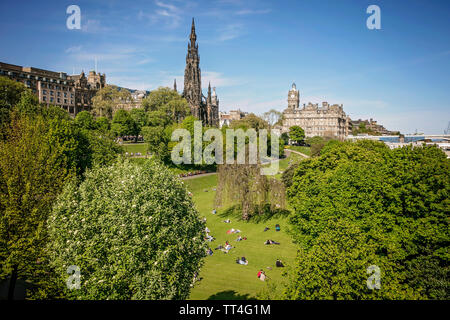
(230, 295)
(235, 212)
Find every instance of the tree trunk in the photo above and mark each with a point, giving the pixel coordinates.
(12, 284)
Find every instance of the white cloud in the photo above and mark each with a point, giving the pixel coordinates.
(73, 49)
(230, 32)
(93, 26)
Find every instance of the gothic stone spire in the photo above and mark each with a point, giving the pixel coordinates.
(192, 77)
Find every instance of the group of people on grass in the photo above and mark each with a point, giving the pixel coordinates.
(243, 261)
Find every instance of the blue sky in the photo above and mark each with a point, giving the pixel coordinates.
(252, 51)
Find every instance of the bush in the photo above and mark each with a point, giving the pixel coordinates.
(395, 202)
(133, 232)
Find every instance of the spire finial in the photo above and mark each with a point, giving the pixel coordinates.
(193, 36)
(175, 84)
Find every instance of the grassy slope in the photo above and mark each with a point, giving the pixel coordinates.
(135, 147)
(222, 277)
(302, 149)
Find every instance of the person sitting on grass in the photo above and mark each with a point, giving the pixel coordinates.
(260, 272)
(279, 264)
(209, 252)
(242, 261)
(277, 227)
(239, 238)
(271, 242)
(262, 276)
(214, 211)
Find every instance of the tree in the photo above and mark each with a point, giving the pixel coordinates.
(132, 230)
(396, 203)
(167, 101)
(250, 121)
(272, 117)
(35, 162)
(296, 134)
(244, 185)
(140, 120)
(123, 124)
(10, 94)
(108, 100)
(103, 124)
(85, 120)
(157, 139)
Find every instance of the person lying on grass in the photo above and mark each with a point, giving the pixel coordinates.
(271, 242)
(266, 228)
(242, 261)
(227, 221)
(279, 264)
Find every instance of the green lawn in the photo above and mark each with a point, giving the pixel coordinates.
(302, 149)
(135, 147)
(221, 277)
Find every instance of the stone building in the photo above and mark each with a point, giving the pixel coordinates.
(226, 118)
(71, 92)
(315, 120)
(203, 108)
(371, 126)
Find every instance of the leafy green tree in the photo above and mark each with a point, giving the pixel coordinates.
(35, 162)
(103, 124)
(250, 121)
(167, 101)
(296, 134)
(397, 199)
(85, 120)
(108, 100)
(10, 94)
(132, 230)
(158, 119)
(139, 118)
(158, 139)
(123, 124)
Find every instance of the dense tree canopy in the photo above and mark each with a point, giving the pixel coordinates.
(395, 202)
(132, 230)
(296, 134)
(169, 102)
(108, 100)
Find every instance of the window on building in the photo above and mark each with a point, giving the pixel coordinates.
(44, 98)
(51, 99)
(59, 100)
(51, 93)
(59, 94)
(44, 91)
(65, 100)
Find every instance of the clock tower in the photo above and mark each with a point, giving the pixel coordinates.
(293, 98)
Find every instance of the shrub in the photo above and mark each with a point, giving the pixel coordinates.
(133, 232)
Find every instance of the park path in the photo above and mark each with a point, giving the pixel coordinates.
(302, 154)
(198, 175)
